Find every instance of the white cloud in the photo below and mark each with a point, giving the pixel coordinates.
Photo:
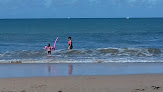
(50, 3)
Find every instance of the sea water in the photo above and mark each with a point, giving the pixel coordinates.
(94, 40)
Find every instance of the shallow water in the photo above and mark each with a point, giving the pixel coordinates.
(106, 40)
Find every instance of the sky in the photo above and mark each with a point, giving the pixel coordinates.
(80, 8)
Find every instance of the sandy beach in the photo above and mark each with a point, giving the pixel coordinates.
(118, 83)
(102, 77)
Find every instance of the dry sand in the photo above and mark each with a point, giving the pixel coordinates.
(120, 83)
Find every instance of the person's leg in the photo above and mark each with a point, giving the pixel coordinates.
(49, 52)
(71, 47)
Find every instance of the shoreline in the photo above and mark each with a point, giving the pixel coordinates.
(77, 76)
(93, 62)
(84, 69)
(112, 83)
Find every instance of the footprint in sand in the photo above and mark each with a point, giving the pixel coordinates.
(23, 91)
(38, 86)
(155, 87)
(7, 91)
(138, 90)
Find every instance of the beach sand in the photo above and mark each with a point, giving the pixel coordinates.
(114, 83)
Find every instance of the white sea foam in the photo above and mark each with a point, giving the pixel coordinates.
(104, 55)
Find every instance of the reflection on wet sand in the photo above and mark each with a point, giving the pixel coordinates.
(49, 68)
(53, 69)
(70, 69)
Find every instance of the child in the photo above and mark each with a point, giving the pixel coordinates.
(49, 48)
(70, 43)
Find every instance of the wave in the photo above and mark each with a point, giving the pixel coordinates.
(20, 61)
(138, 52)
(23, 54)
(85, 55)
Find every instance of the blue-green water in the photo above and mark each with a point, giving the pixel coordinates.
(107, 40)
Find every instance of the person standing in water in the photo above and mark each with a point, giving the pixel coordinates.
(70, 43)
(49, 48)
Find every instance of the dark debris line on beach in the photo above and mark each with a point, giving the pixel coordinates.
(142, 89)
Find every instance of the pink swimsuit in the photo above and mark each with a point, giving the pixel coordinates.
(49, 48)
(70, 42)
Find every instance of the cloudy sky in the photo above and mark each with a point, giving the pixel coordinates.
(80, 8)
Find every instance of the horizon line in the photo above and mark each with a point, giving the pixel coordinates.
(87, 18)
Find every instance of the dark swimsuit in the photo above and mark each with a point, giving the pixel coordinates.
(49, 52)
(71, 44)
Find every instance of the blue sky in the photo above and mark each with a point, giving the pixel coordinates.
(80, 8)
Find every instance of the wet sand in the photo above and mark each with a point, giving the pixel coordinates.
(52, 70)
(82, 77)
(114, 83)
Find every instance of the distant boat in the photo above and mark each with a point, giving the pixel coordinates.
(127, 17)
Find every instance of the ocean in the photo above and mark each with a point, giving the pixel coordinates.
(94, 40)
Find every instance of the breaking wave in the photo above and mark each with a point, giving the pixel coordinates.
(86, 55)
